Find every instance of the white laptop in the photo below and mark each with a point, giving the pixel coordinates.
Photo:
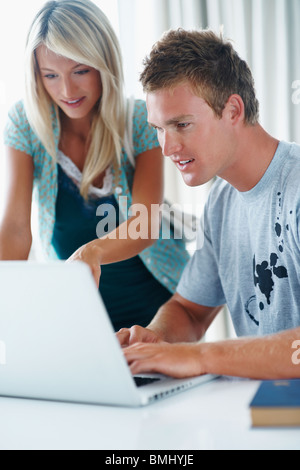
(57, 342)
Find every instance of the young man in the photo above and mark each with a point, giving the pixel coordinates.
(201, 100)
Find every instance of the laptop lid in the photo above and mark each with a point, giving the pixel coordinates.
(57, 342)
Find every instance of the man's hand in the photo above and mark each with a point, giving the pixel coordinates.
(137, 334)
(175, 360)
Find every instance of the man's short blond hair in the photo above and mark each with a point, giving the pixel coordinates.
(208, 62)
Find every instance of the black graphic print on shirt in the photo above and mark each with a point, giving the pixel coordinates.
(263, 276)
(265, 273)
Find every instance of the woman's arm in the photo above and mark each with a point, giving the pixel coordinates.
(124, 242)
(15, 224)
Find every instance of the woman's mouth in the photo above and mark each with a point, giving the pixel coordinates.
(75, 103)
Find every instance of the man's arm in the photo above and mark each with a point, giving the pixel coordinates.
(177, 321)
(264, 358)
(184, 323)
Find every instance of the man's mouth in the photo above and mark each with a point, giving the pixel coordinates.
(182, 165)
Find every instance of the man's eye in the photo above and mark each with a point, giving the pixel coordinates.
(156, 128)
(183, 125)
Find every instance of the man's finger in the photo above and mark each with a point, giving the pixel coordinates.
(123, 337)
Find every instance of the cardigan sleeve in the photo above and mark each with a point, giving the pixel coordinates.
(144, 137)
(17, 132)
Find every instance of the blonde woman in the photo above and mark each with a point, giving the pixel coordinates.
(85, 149)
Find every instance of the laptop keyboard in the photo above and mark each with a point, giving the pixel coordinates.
(142, 381)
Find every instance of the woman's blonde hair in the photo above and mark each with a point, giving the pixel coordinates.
(80, 31)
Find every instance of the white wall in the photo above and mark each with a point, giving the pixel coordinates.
(15, 19)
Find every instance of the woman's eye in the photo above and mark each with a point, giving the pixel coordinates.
(82, 72)
(50, 75)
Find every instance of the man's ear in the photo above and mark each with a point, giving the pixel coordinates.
(235, 109)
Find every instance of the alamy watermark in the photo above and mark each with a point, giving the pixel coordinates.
(296, 93)
(296, 354)
(161, 221)
(2, 353)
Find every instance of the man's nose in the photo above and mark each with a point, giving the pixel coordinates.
(170, 144)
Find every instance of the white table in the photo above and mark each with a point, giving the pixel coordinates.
(212, 416)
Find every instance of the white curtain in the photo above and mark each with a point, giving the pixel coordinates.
(266, 33)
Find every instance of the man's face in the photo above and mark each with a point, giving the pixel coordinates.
(196, 140)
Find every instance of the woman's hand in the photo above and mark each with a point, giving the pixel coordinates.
(89, 254)
(114, 247)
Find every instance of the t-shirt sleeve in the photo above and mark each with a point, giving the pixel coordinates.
(144, 136)
(17, 130)
(200, 282)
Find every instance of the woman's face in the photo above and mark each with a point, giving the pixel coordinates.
(76, 88)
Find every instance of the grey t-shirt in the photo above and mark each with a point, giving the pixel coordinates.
(250, 258)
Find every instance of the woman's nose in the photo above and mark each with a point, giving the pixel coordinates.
(68, 88)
